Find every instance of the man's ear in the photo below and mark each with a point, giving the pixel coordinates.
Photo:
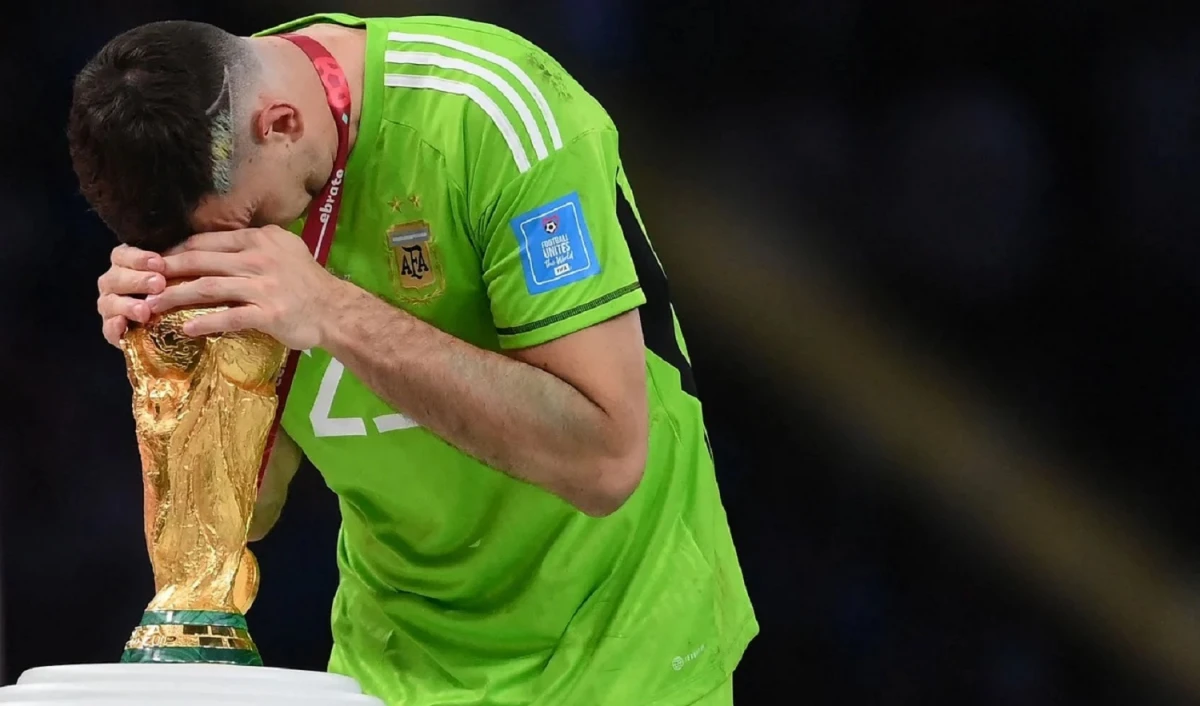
(278, 120)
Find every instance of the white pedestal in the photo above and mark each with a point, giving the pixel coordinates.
(182, 685)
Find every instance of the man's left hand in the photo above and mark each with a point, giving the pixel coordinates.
(267, 277)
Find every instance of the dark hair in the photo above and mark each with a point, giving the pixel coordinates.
(143, 120)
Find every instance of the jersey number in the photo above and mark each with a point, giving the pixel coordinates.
(325, 425)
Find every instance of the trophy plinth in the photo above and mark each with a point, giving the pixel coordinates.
(182, 685)
(203, 409)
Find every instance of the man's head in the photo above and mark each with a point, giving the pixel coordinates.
(175, 129)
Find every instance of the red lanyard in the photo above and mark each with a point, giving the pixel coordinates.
(321, 224)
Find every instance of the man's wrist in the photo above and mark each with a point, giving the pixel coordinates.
(338, 300)
(351, 313)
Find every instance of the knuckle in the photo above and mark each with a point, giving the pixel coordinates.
(117, 281)
(112, 329)
(205, 288)
(271, 314)
(128, 257)
(111, 307)
(127, 307)
(256, 262)
(110, 281)
(132, 282)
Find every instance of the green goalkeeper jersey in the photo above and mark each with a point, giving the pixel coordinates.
(485, 195)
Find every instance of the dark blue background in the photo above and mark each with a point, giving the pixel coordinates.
(1008, 188)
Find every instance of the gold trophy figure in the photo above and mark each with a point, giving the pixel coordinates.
(203, 409)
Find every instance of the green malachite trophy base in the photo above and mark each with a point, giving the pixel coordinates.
(204, 637)
(192, 655)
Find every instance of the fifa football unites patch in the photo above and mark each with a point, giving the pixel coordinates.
(555, 246)
(415, 259)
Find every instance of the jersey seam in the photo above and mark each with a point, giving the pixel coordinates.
(569, 313)
(586, 133)
(494, 203)
(442, 166)
(652, 379)
(421, 138)
(566, 145)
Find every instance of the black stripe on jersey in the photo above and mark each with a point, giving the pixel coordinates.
(658, 321)
(573, 311)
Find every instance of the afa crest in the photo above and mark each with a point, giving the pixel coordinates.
(416, 267)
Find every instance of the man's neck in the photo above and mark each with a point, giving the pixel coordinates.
(296, 71)
(349, 48)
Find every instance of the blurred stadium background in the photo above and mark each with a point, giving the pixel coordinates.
(938, 266)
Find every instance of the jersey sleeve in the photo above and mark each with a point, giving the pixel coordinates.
(555, 259)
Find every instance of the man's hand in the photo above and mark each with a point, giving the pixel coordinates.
(133, 272)
(266, 275)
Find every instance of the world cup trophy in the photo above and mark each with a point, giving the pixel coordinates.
(203, 409)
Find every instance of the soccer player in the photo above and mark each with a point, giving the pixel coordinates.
(493, 381)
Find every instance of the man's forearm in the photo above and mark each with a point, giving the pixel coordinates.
(510, 415)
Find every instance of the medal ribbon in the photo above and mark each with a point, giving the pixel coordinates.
(321, 224)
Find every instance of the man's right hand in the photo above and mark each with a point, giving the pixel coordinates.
(133, 272)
